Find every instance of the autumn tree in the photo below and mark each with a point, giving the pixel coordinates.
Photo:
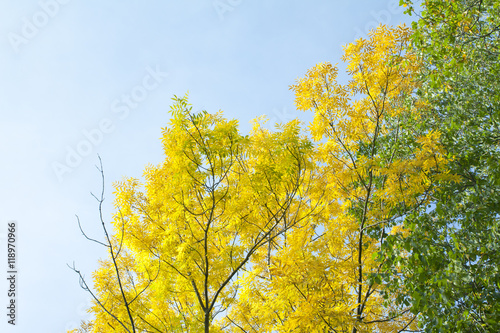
(375, 167)
(452, 277)
(186, 233)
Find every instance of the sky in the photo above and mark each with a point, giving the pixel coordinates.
(80, 79)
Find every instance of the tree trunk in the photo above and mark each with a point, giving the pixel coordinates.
(207, 322)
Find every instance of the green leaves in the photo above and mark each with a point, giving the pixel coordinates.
(459, 42)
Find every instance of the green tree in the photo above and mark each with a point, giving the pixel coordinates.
(451, 275)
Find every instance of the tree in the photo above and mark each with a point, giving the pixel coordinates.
(375, 168)
(452, 277)
(183, 237)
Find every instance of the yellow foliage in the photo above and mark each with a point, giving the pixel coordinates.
(184, 234)
(374, 168)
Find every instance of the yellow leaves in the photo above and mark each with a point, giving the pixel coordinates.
(368, 171)
(204, 214)
(370, 166)
(316, 92)
(373, 63)
(398, 229)
(277, 269)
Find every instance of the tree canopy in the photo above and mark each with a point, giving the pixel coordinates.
(382, 215)
(452, 277)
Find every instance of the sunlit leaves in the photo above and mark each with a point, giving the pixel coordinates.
(373, 167)
(186, 233)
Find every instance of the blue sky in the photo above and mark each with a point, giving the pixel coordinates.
(81, 78)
